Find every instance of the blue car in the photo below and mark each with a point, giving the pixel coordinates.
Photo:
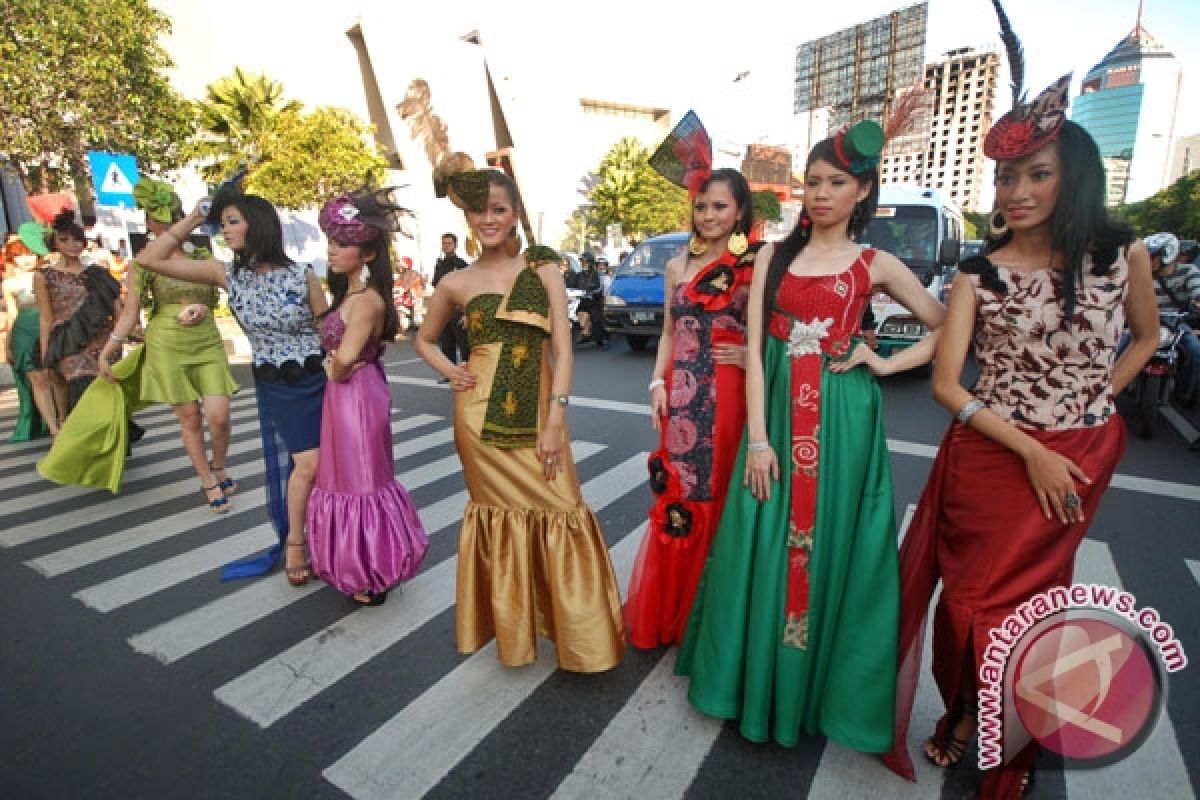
(633, 307)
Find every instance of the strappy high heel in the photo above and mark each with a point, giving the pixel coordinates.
(227, 485)
(299, 574)
(219, 505)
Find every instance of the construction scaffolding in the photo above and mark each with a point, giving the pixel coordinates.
(858, 72)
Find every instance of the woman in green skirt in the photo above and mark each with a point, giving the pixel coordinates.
(795, 622)
(182, 363)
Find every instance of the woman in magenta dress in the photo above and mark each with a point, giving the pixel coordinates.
(698, 399)
(364, 534)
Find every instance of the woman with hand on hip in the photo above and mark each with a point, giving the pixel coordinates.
(276, 302)
(1042, 310)
(793, 629)
(363, 532)
(532, 560)
(697, 396)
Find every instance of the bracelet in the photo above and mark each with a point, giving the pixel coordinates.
(969, 410)
(112, 337)
(758, 447)
(655, 383)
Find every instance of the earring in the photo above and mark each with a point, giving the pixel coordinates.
(697, 246)
(364, 277)
(513, 245)
(997, 224)
(738, 243)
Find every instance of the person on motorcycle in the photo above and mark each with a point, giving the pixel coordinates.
(592, 303)
(1189, 252)
(1177, 288)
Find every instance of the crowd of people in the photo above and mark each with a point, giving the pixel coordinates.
(770, 554)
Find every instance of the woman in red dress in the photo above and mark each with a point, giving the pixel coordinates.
(1042, 309)
(698, 404)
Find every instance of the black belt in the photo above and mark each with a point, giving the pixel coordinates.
(289, 371)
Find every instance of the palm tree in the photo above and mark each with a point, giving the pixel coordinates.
(235, 114)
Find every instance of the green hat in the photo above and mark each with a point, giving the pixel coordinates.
(34, 234)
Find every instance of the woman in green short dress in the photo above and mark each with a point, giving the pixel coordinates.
(182, 364)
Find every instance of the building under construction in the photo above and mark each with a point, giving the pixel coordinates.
(858, 72)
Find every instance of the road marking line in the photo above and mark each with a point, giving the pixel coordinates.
(141, 583)
(1194, 566)
(46, 527)
(1181, 425)
(166, 442)
(1155, 769)
(278, 686)
(153, 432)
(410, 753)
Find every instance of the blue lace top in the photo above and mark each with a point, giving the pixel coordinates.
(273, 310)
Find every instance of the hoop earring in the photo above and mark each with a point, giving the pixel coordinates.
(738, 243)
(997, 224)
(513, 245)
(697, 246)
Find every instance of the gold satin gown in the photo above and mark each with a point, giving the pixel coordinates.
(532, 560)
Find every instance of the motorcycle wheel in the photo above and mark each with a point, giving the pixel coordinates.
(1147, 405)
(637, 343)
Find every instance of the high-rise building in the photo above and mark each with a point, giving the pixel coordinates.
(961, 91)
(1128, 104)
(857, 73)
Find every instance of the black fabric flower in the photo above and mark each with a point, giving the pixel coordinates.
(658, 475)
(679, 520)
(718, 281)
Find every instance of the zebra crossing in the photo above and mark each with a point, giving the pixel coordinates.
(155, 537)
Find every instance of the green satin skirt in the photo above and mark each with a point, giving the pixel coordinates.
(842, 685)
(24, 333)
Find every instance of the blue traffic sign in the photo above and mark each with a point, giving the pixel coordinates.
(113, 175)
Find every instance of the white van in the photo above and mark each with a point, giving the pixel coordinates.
(923, 228)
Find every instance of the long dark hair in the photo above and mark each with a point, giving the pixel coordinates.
(741, 195)
(790, 247)
(64, 222)
(264, 233)
(1079, 226)
(380, 278)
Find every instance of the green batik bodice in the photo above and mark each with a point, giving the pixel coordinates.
(492, 319)
(159, 291)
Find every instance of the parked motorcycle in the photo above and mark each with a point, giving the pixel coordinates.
(583, 298)
(1152, 387)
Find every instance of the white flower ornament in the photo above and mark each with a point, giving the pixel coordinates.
(347, 213)
(805, 338)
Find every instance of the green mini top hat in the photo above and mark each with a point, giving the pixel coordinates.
(859, 146)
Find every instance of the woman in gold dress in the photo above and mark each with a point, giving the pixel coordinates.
(532, 560)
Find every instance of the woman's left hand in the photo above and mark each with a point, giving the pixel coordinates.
(550, 449)
(192, 314)
(863, 354)
(730, 354)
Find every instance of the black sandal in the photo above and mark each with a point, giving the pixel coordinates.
(948, 752)
(218, 506)
(227, 485)
(372, 598)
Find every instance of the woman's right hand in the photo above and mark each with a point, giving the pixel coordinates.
(762, 469)
(658, 406)
(460, 379)
(104, 367)
(1053, 478)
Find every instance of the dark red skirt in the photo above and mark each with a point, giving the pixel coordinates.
(980, 531)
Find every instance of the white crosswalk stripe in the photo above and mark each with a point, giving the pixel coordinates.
(654, 745)
(270, 691)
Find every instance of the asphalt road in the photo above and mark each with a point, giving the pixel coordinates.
(128, 670)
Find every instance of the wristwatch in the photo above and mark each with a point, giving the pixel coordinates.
(561, 399)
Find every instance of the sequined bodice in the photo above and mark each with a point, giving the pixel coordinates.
(333, 328)
(163, 290)
(823, 312)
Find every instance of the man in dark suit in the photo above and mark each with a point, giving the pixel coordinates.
(453, 339)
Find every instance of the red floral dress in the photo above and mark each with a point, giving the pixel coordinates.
(690, 470)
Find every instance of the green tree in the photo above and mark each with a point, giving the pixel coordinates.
(235, 116)
(766, 206)
(306, 158)
(976, 224)
(1175, 209)
(629, 192)
(87, 74)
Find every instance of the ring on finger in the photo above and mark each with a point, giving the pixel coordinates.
(1073, 501)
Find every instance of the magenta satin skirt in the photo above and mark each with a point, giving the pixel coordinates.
(363, 532)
